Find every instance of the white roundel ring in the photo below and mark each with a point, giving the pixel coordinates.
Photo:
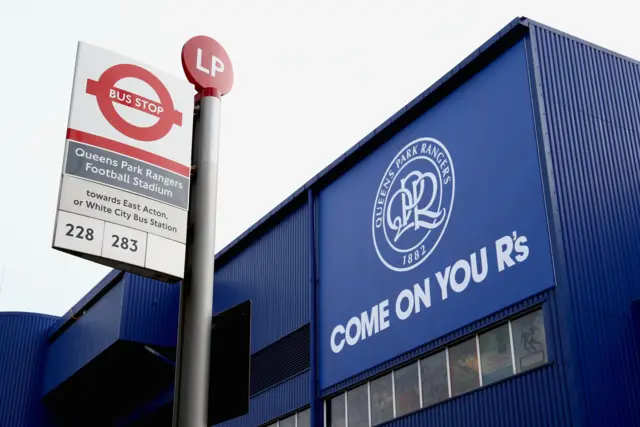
(413, 204)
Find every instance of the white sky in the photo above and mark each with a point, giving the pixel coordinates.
(311, 79)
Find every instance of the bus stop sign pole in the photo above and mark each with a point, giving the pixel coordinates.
(208, 68)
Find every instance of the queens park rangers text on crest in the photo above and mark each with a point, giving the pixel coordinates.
(413, 204)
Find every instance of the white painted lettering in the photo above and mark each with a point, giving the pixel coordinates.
(521, 249)
(401, 313)
(369, 325)
(384, 314)
(510, 250)
(422, 296)
(504, 247)
(479, 276)
(442, 281)
(218, 66)
(337, 347)
(199, 62)
(466, 269)
(352, 339)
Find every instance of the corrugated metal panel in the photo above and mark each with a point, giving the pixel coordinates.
(273, 272)
(97, 292)
(281, 360)
(23, 338)
(523, 401)
(87, 337)
(274, 402)
(591, 100)
(150, 311)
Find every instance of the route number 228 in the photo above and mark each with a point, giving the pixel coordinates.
(79, 232)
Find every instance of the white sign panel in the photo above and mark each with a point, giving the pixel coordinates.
(124, 190)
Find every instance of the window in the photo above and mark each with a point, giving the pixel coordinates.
(463, 365)
(478, 360)
(381, 400)
(288, 422)
(407, 389)
(529, 341)
(301, 419)
(358, 407)
(495, 355)
(304, 419)
(336, 412)
(435, 381)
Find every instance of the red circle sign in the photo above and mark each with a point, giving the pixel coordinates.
(207, 65)
(106, 94)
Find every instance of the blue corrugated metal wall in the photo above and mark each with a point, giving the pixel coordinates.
(92, 333)
(590, 100)
(283, 398)
(273, 271)
(22, 352)
(150, 311)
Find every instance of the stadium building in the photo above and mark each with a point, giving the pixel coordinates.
(473, 261)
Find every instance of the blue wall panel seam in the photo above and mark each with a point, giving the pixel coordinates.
(566, 341)
(311, 248)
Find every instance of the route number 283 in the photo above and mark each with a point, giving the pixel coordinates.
(124, 243)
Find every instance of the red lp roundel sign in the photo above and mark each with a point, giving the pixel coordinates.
(207, 65)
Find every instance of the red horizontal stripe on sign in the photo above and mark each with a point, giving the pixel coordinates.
(128, 150)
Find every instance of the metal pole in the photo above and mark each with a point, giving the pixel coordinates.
(196, 295)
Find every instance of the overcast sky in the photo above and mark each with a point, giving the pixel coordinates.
(311, 79)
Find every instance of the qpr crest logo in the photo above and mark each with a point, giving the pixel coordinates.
(413, 204)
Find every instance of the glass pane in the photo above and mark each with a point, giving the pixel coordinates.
(336, 412)
(358, 407)
(303, 418)
(529, 341)
(381, 400)
(495, 355)
(435, 385)
(288, 422)
(463, 363)
(407, 389)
